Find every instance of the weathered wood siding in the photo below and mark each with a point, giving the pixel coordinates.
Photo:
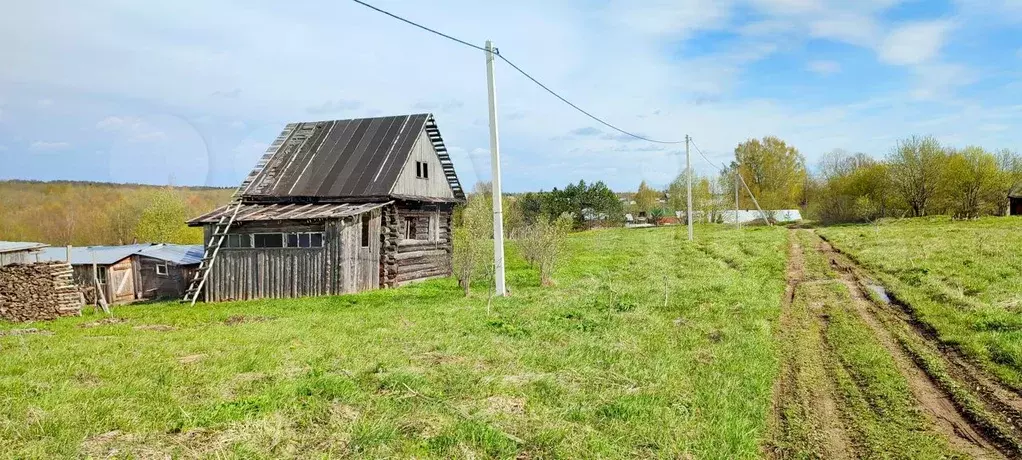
(341, 266)
(151, 285)
(18, 257)
(428, 254)
(435, 185)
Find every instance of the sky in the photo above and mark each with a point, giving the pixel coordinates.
(192, 92)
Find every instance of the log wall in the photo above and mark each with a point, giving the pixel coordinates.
(36, 292)
(428, 254)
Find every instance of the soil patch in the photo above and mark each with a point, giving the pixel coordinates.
(103, 322)
(235, 320)
(26, 331)
(155, 327)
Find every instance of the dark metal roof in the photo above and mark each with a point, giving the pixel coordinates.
(256, 212)
(344, 158)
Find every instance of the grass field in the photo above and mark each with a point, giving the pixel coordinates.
(963, 280)
(647, 346)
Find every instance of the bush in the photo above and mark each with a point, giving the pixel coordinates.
(540, 243)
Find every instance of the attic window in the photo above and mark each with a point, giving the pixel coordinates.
(422, 170)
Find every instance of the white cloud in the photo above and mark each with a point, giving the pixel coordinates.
(44, 103)
(3, 148)
(42, 145)
(132, 128)
(853, 28)
(824, 67)
(937, 81)
(914, 43)
(113, 123)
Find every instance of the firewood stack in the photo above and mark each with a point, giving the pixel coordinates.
(38, 292)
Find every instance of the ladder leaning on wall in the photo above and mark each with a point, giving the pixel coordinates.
(226, 220)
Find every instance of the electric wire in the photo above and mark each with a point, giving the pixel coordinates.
(519, 70)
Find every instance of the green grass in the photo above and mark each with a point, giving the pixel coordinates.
(597, 366)
(962, 279)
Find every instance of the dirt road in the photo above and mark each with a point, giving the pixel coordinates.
(860, 378)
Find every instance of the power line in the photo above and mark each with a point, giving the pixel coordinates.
(427, 29)
(704, 156)
(513, 66)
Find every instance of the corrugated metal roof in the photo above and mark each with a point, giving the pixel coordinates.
(101, 255)
(345, 158)
(179, 254)
(15, 246)
(255, 212)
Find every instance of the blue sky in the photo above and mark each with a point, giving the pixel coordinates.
(190, 93)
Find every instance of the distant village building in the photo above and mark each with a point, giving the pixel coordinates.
(1015, 203)
(19, 252)
(335, 207)
(131, 272)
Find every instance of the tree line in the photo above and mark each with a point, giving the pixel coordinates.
(89, 213)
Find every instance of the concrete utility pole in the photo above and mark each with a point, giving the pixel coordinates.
(688, 167)
(498, 214)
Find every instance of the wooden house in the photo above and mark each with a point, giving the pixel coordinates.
(1015, 203)
(335, 207)
(19, 252)
(131, 272)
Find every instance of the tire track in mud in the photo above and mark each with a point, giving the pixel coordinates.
(987, 433)
(992, 409)
(791, 396)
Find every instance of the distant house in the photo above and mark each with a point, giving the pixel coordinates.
(335, 207)
(1015, 203)
(19, 252)
(131, 272)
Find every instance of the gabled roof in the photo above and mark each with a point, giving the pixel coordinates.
(343, 158)
(261, 212)
(15, 246)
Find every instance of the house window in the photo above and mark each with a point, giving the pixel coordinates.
(305, 240)
(409, 228)
(101, 275)
(161, 269)
(366, 218)
(237, 241)
(268, 240)
(422, 170)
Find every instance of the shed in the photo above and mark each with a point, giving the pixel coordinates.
(19, 252)
(336, 207)
(1015, 203)
(131, 272)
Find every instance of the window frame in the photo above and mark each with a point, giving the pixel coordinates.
(410, 228)
(283, 240)
(365, 227)
(101, 275)
(166, 269)
(244, 241)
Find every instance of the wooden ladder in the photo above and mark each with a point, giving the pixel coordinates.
(433, 132)
(226, 219)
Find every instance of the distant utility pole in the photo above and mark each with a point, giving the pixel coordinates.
(688, 167)
(738, 224)
(498, 214)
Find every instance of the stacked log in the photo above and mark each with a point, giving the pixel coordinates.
(389, 237)
(38, 292)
